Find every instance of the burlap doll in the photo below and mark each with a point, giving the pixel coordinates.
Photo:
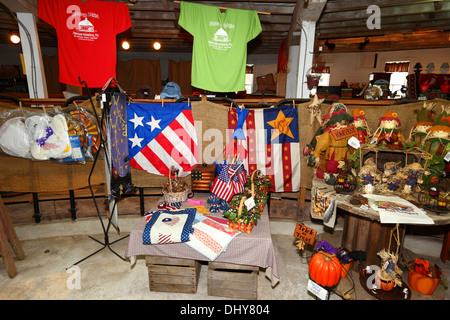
(370, 175)
(413, 174)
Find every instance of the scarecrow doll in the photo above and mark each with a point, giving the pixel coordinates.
(413, 174)
(361, 125)
(332, 145)
(424, 123)
(437, 141)
(370, 175)
(388, 132)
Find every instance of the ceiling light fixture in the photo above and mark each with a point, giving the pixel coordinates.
(362, 45)
(156, 45)
(330, 45)
(15, 38)
(125, 45)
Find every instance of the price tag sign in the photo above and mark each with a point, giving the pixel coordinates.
(354, 143)
(249, 203)
(317, 290)
(447, 157)
(305, 233)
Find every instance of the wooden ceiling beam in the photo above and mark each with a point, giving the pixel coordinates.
(385, 12)
(348, 5)
(364, 32)
(27, 6)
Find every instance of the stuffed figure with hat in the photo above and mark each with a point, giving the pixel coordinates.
(332, 145)
(388, 132)
(361, 125)
(437, 141)
(424, 123)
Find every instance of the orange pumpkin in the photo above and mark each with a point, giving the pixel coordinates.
(325, 269)
(384, 284)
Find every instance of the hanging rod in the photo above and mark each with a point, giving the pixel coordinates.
(225, 8)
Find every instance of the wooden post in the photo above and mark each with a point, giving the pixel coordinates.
(37, 85)
(9, 237)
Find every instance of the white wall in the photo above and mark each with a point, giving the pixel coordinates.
(356, 66)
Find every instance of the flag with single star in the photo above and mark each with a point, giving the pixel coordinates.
(161, 136)
(272, 145)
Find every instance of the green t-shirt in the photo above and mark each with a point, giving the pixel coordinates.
(219, 54)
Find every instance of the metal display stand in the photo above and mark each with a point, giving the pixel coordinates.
(106, 243)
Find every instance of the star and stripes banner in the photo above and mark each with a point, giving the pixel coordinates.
(272, 145)
(162, 136)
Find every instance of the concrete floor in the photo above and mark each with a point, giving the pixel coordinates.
(51, 247)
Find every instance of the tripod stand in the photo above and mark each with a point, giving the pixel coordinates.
(103, 140)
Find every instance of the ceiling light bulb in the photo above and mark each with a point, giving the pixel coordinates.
(156, 45)
(15, 39)
(125, 45)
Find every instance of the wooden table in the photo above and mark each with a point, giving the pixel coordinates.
(363, 230)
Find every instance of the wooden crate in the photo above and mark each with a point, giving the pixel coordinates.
(167, 274)
(232, 280)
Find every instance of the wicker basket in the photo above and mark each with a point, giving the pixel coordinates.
(179, 196)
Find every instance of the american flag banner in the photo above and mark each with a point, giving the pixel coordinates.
(272, 145)
(162, 136)
(222, 186)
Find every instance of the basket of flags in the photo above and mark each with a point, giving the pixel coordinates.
(230, 180)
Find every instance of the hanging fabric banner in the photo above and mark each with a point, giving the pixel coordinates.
(120, 160)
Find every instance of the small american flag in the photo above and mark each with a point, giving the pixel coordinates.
(222, 186)
(239, 177)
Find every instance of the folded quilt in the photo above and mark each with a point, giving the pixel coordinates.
(167, 226)
(210, 238)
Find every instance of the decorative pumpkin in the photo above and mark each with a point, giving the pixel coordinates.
(325, 269)
(385, 285)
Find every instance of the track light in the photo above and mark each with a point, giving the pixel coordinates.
(14, 38)
(125, 45)
(330, 45)
(156, 45)
(362, 45)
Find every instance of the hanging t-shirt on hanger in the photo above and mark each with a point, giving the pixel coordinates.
(86, 31)
(219, 54)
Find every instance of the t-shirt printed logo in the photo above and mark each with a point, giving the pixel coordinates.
(221, 40)
(81, 23)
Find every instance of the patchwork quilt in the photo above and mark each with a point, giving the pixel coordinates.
(166, 226)
(210, 238)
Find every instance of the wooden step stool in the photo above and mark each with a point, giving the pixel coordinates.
(8, 240)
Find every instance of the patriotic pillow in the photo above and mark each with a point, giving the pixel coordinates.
(169, 226)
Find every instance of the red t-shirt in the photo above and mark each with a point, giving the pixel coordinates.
(86, 37)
